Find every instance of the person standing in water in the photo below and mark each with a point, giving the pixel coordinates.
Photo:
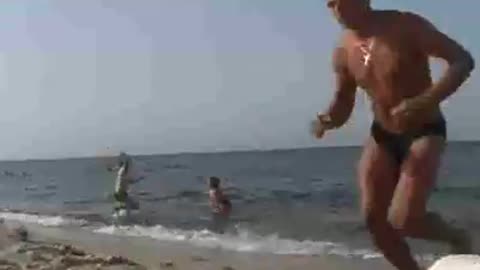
(386, 52)
(219, 203)
(125, 177)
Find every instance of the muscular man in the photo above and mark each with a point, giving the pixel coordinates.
(386, 52)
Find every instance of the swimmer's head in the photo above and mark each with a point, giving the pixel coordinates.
(214, 182)
(349, 13)
(123, 159)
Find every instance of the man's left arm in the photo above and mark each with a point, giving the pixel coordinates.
(437, 44)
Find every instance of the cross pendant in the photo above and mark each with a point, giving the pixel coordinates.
(366, 59)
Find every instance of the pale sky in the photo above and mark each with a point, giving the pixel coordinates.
(162, 76)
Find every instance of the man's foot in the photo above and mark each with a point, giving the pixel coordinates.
(462, 243)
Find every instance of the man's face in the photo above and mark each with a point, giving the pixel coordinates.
(349, 13)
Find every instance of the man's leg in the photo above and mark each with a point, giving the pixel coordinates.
(377, 175)
(417, 178)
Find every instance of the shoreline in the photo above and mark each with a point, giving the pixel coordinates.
(115, 252)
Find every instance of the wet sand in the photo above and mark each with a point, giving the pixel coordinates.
(80, 249)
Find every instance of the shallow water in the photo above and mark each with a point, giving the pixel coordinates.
(286, 202)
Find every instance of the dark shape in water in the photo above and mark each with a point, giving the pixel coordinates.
(8, 173)
(42, 195)
(31, 188)
(51, 186)
(79, 202)
(143, 193)
(176, 166)
(301, 195)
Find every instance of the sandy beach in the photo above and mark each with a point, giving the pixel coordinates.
(38, 247)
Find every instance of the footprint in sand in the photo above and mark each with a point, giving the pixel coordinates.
(199, 259)
(167, 265)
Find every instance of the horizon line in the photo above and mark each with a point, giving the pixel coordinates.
(280, 149)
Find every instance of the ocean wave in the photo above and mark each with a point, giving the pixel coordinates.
(49, 221)
(241, 241)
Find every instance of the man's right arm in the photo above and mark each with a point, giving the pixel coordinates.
(341, 106)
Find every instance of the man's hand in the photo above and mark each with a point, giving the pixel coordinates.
(414, 107)
(320, 125)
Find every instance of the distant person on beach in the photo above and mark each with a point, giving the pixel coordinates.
(219, 203)
(386, 52)
(125, 177)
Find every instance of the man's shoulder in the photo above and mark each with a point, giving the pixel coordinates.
(339, 57)
(393, 13)
(402, 17)
(404, 23)
(344, 40)
(396, 16)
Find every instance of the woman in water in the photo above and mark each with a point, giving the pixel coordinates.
(219, 203)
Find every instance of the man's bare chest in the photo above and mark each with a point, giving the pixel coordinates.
(377, 61)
